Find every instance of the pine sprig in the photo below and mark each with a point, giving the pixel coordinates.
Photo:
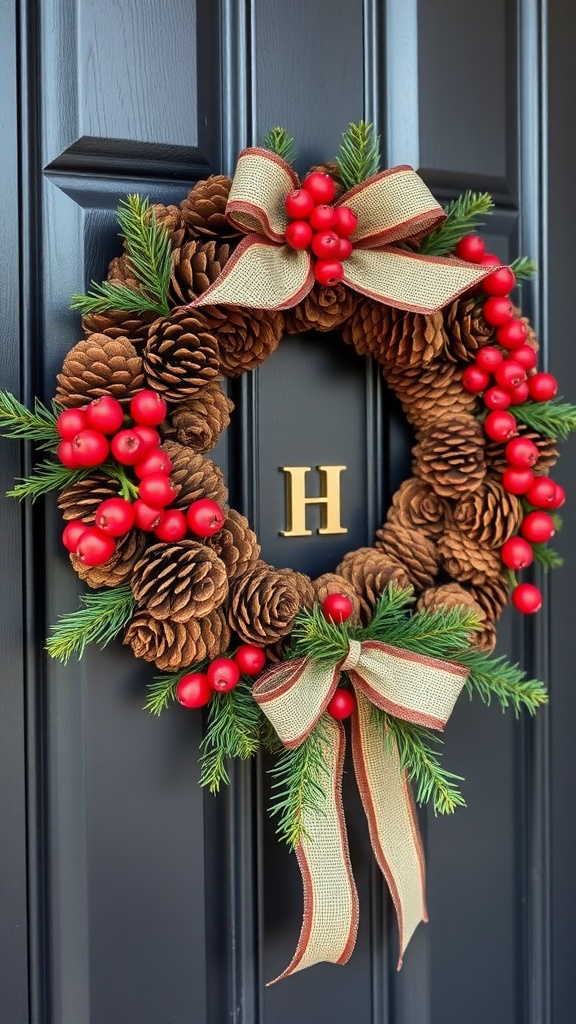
(547, 557)
(299, 775)
(463, 215)
(280, 142)
(112, 296)
(38, 425)
(100, 618)
(497, 678)
(523, 268)
(233, 730)
(555, 419)
(359, 154)
(45, 477)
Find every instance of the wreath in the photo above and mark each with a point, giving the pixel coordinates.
(389, 638)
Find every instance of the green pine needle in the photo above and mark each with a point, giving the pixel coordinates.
(463, 216)
(102, 616)
(45, 477)
(113, 296)
(523, 268)
(555, 419)
(233, 730)
(299, 775)
(37, 425)
(547, 557)
(499, 679)
(162, 689)
(279, 142)
(359, 154)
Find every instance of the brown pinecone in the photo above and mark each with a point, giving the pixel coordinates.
(435, 392)
(181, 356)
(170, 218)
(203, 210)
(450, 455)
(492, 596)
(235, 544)
(466, 330)
(369, 572)
(410, 549)
(263, 604)
(465, 560)
(490, 515)
(176, 645)
(547, 457)
(117, 324)
(246, 337)
(403, 343)
(195, 266)
(120, 271)
(452, 595)
(417, 506)
(196, 476)
(331, 583)
(369, 327)
(179, 581)
(80, 500)
(99, 366)
(117, 569)
(199, 422)
(331, 169)
(323, 309)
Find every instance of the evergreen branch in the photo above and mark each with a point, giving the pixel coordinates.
(497, 677)
(547, 557)
(233, 730)
(46, 476)
(523, 268)
(128, 489)
(359, 154)
(279, 142)
(37, 425)
(463, 216)
(102, 616)
(113, 296)
(298, 777)
(555, 419)
(162, 690)
(148, 248)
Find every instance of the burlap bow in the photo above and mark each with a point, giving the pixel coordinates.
(394, 206)
(294, 697)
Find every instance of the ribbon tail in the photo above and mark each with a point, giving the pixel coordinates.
(330, 921)
(261, 275)
(392, 820)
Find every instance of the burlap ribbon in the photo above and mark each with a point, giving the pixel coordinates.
(394, 206)
(294, 697)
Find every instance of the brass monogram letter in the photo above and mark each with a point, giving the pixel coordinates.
(296, 500)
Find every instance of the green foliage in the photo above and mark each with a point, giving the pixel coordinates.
(281, 143)
(102, 616)
(233, 730)
(37, 425)
(299, 775)
(523, 268)
(46, 476)
(127, 489)
(497, 678)
(162, 690)
(359, 154)
(552, 419)
(463, 216)
(547, 557)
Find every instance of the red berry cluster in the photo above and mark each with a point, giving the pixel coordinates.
(97, 433)
(337, 608)
(196, 689)
(506, 376)
(323, 229)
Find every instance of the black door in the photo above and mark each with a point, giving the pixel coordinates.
(129, 896)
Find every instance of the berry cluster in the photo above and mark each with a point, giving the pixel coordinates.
(99, 433)
(196, 689)
(505, 374)
(322, 229)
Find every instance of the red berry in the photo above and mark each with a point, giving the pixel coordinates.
(194, 690)
(328, 272)
(337, 608)
(71, 422)
(223, 674)
(71, 534)
(509, 374)
(526, 598)
(147, 409)
(153, 462)
(521, 452)
(115, 516)
(149, 436)
(344, 248)
(542, 492)
(346, 221)
(500, 426)
(537, 527)
(323, 218)
(470, 248)
(90, 448)
(67, 455)
(488, 358)
(250, 660)
(496, 398)
(543, 387)
(205, 517)
(520, 394)
(321, 187)
(512, 335)
(517, 481)
(145, 517)
(95, 547)
(299, 204)
(105, 414)
(326, 245)
(299, 234)
(526, 356)
(516, 553)
(172, 527)
(342, 704)
(474, 379)
(560, 496)
(490, 260)
(501, 282)
(127, 447)
(498, 311)
(156, 490)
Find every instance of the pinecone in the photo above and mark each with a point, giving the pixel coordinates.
(331, 583)
(204, 210)
(80, 500)
(246, 337)
(465, 560)
(369, 572)
(99, 366)
(235, 544)
(170, 218)
(117, 569)
(401, 342)
(117, 324)
(332, 170)
(181, 356)
(466, 330)
(323, 309)
(435, 392)
(196, 476)
(179, 581)
(490, 515)
(176, 645)
(548, 452)
(195, 266)
(199, 422)
(120, 271)
(452, 595)
(492, 596)
(263, 604)
(416, 505)
(450, 455)
(411, 550)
